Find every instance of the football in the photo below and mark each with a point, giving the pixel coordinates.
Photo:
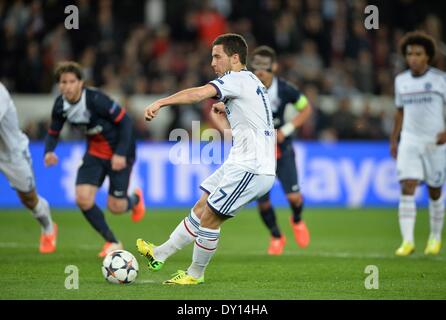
(120, 267)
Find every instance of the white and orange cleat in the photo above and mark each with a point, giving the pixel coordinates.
(276, 246)
(109, 247)
(139, 210)
(48, 241)
(301, 233)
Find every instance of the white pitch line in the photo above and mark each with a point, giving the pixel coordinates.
(327, 254)
(347, 255)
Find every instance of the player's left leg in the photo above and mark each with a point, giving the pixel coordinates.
(436, 215)
(288, 177)
(434, 160)
(236, 189)
(185, 232)
(278, 240)
(41, 212)
(300, 229)
(20, 175)
(118, 200)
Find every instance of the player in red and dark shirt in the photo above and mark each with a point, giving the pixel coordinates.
(110, 151)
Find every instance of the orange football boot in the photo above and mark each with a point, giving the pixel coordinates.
(48, 241)
(276, 246)
(139, 210)
(301, 233)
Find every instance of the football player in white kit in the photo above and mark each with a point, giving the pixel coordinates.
(247, 174)
(420, 95)
(16, 165)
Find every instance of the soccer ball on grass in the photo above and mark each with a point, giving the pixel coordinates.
(120, 267)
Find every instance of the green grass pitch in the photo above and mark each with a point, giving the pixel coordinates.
(343, 243)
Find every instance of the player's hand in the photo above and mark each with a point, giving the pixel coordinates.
(394, 150)
(441, 138)
(219, 108)
(151, 111)
(118, 162)
(280, 136)
(50, 159)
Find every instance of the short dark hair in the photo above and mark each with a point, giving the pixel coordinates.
(232, 44)
(421, 39)
(68, 67)
(265, 51)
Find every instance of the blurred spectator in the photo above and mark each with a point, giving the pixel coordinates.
(322, 45)
(343, 120)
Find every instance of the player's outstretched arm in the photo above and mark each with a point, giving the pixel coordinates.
(305, 109)
(188, 96)
(397, 125)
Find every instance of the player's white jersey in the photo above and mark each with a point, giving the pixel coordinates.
(423, 99)
(12, 139)
(248, 110)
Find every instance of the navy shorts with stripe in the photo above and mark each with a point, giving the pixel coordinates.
(93, 171)
(231, 187)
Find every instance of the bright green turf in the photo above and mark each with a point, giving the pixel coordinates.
(343, 243)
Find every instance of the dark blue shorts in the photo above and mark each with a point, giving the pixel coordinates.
(286, 173)
(94, 170)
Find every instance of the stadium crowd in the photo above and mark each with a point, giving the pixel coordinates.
(159, 47)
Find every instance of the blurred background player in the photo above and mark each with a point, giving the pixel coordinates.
(110, 151)
(16, 165)
(420, 95)
(247, 174)
(281, 93)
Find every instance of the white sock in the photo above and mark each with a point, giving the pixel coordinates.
(42, 214)
(407, 212)
(184, 234)
(436, 214)
(204, 248)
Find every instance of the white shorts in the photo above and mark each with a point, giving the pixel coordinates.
(423, 162)
(231, 187)
(19, 172)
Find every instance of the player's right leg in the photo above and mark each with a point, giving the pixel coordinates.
(41, 211)
(410, 171)
(434, 160)
(118, 200)
(236, 189)
(278, 240)
(20, 175)
(186, 231)
(90, 176)
(288, 177)
(407, 215)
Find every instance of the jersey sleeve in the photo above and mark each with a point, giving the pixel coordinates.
(298, 99)
(107, 108)
(56, 125)
(227, 86)
(398, 100)
(57, 118)
(4, 101)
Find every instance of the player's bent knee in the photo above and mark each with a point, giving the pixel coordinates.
(200, 205)
(434, 193)
(409, 186)
(117, 206)
(84, 203)
(295, 199)
(29, 199)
